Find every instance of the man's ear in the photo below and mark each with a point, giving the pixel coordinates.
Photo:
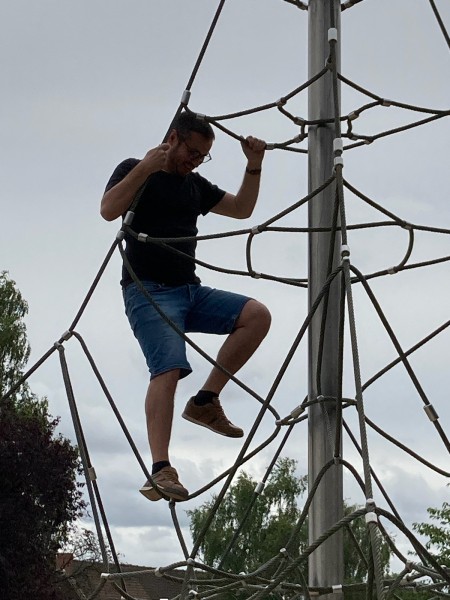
(172, 137)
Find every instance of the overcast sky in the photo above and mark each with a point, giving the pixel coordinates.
(88, 84)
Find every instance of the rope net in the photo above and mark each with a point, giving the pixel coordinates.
(200, 580)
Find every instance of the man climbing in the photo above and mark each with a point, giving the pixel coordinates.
(173, 198)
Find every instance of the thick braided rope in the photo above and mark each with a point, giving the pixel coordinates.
(373, 530)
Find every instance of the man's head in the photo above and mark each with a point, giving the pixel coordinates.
(190, 141)
(187, 122)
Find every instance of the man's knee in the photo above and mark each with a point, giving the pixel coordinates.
(257, 315)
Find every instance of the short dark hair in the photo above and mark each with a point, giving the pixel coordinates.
(188, 122)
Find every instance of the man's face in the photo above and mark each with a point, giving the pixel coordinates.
(186, 153)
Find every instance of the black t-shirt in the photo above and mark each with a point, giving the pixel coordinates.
(168, 207)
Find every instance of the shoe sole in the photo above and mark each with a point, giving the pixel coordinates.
(230, 435)
(151, 494)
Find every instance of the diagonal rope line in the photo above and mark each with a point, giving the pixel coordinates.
(205, 44)
(419, 344)
(82, 449)
(402, 356)
(349, 4)
(185, 98)
(441, 22)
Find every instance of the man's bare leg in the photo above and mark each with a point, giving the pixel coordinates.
(251, 328)
(159, 404)
(205, 409)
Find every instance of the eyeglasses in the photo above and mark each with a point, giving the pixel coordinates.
(195, 154)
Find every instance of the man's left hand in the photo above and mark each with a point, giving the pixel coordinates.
(254, 149)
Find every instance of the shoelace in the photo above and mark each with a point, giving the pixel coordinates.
(171, 475)
(221, 414)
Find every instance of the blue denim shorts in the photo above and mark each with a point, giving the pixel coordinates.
(192, 307)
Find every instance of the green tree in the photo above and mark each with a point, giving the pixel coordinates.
(84, 546)
(274, 516)
(14, 347)
(437, 533)
(39, 495)
(265, 531)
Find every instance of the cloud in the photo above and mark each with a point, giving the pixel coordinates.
(148, 546)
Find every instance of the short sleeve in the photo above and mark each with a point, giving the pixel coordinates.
(121, 171)
(210, 193)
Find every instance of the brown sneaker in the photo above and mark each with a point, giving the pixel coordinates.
(211, 415)
(165, 480)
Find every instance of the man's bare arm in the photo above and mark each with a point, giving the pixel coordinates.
(241, 205)
(118, 199)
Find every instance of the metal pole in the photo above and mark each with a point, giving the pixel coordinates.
(326, 563)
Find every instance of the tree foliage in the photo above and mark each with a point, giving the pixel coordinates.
(84, 546)
(265, 532)
(437, 533)
(39, 495)
(272, 520)
(14, 347)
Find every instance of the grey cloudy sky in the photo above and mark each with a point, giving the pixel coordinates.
(87, 84)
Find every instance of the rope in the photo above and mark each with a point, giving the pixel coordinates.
(185, 97)
(298, 3)
(441, 22)
(349, 4)
(259, 584)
